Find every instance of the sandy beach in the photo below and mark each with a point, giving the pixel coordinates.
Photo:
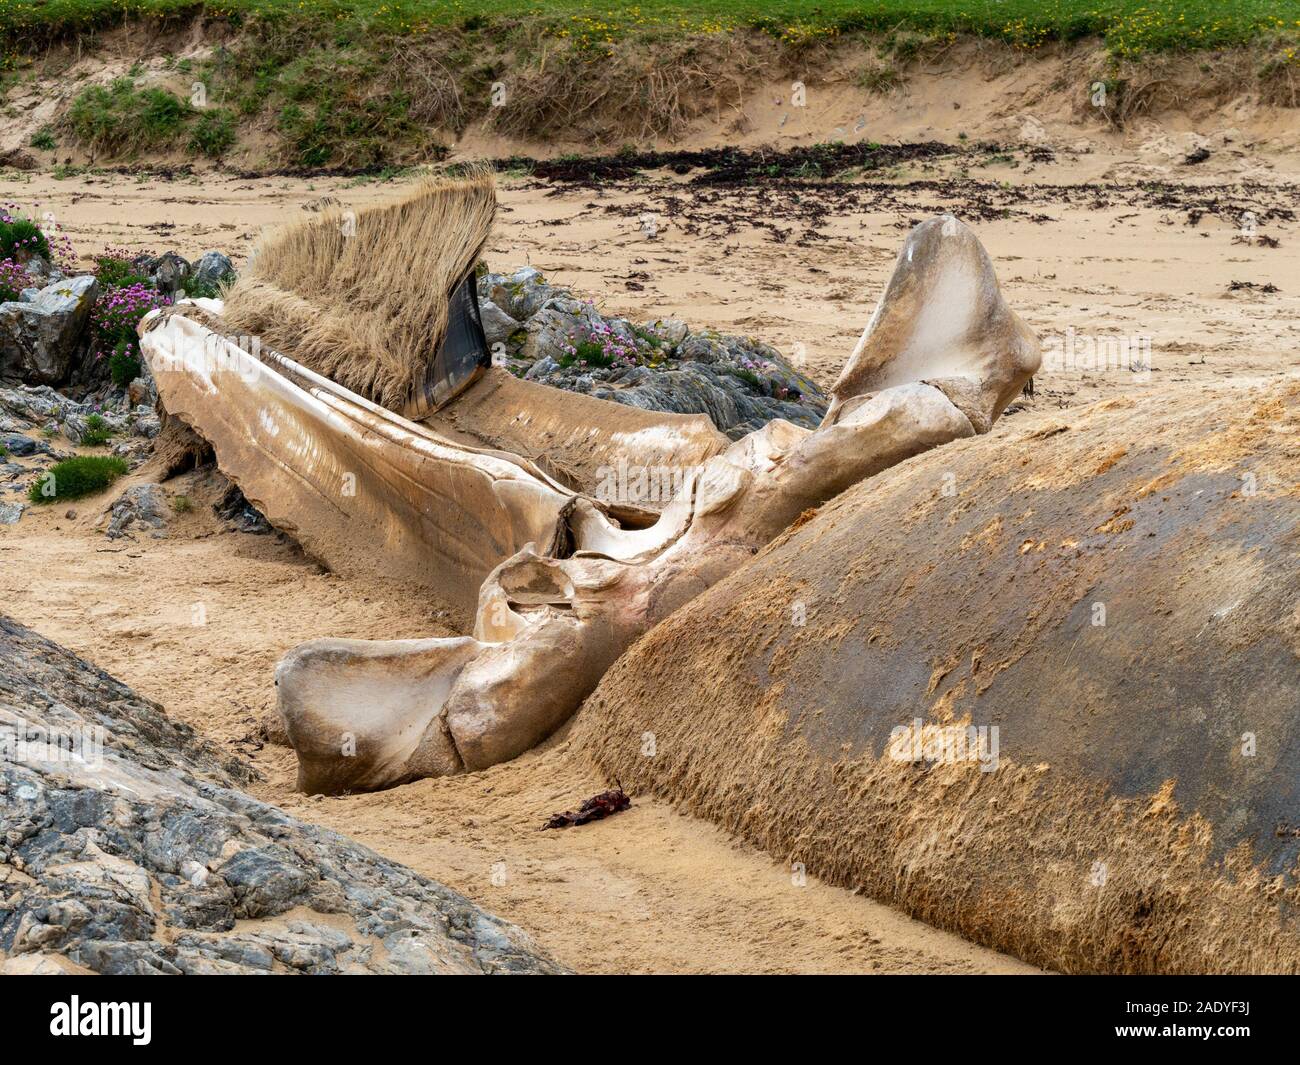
(1085, 245)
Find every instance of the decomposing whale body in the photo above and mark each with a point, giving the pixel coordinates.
(1043, 690)
(565, 582)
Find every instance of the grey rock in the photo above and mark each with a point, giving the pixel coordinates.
(212, 268)
(39, 267)
(74, 426)
(39, 339)
(34, 404)
(266, 881)
(10, 513)
(564, 320)
(143, 506)
(673, 330)
(542, 370)
(235, 508)
(497, 324)
(740, 383)
(146, 425)
(139, 856)
(18, 444)
(169, 272)
(75, 423)
(521, 295)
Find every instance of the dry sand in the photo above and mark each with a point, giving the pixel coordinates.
(650, 890)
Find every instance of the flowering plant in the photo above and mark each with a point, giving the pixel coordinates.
(13, 279)
(113, 322)
(597, 344)
(21, 238)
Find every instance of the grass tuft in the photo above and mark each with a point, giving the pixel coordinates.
(76, 477)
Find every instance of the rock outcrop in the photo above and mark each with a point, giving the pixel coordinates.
(127, 846)
(542, 333)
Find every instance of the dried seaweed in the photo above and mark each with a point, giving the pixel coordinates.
(596, 808)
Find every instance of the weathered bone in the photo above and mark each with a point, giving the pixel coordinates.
(942, 357)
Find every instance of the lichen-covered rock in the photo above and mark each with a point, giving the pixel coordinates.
(32, 404)
(521, 294)
(39, 338)
(126, 847)
(739, 383)
(212, 268)
(557, 340)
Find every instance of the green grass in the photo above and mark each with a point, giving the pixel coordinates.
(213, 132)
(76, 477)
(1131, 26)
(98, 432)
(368, 85)
(122, 118)
(22, 234)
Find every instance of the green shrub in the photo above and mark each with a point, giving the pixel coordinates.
(123, 119)
(98, 432)
(202, 290)
(213, 133)
(21, 234)
(13, 279)
(124, 364)
(43, 139)
(182, 504)
(115, 270)
(76, 477)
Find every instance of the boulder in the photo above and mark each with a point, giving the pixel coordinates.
(498, 326)
(673, 330)
(520, 295)
(170, 272)
(18, 444)
(33, 404)
(40, 338)
(212, 268)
